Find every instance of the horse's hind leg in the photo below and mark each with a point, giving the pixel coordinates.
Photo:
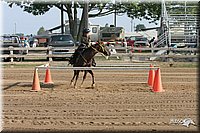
(72, 80)
(84, 77)
(92, 74)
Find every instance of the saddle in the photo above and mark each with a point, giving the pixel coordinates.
(77, 53)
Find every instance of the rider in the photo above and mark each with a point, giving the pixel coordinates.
(85, 43)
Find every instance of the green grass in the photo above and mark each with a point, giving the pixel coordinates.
(187, 65)
(20, 65)
(179, 64)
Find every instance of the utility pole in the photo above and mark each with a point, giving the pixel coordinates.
(131, 25)
(62, 20)
(15, 28)
(115, 15)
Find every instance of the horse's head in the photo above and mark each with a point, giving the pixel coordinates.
(100, 47)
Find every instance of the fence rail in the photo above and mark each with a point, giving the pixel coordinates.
(99, 68)
(130, 54)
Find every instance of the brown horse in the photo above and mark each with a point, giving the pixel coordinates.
(85, 60)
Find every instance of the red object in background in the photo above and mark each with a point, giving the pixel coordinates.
(130, 42)
(140, 49)
(132, 50)
(22, 38)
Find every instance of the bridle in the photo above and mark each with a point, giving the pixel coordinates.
(98, 50)
(93, 49)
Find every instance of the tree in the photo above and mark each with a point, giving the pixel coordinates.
(144, 10)
(70, 7)
(149, 11)
(139, 27)
(41, 31)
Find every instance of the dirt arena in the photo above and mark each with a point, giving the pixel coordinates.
(121, 100)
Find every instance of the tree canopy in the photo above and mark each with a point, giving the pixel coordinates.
(140, 27)
(41, 31)
(134, 9)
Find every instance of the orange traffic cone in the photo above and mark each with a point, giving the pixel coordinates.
(157, 85)
(36, 82)
(151, 76)
(47, 79)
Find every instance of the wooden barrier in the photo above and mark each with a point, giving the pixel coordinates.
(50, 55)
(97, 68)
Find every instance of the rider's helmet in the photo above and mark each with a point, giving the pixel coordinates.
(86, 30)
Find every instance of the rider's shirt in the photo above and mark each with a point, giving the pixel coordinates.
(85, 41)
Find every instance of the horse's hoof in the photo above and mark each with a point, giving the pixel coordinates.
(93, 85)
(71, 84)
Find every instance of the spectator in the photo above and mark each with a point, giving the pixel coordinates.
(151, 41)
(26, 45)
(31, 40)
(35, 43)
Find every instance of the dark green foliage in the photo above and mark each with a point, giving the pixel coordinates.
(144, 10)
(41, 31)
(139, 27)
(141, 10)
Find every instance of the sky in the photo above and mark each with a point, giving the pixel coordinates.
(15, 19)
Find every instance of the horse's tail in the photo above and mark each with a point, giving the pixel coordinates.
(71, 60)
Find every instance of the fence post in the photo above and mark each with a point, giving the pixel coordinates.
(11, 53)
(131, 56)
(152, 50)
(50, 53)
(170, 59)
(140, 49)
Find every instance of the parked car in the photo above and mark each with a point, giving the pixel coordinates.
(14, 41)
(141, 41)
(43, 40)
(130, 40)
(61, 44)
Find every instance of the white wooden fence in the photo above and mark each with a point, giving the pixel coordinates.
(127, 52)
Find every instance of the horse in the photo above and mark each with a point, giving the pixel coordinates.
(85, 60)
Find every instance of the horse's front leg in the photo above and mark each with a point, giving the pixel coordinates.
(77, 74)
(72, 80)
(92, 74)
(84, 77)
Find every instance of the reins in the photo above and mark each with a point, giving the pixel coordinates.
(96, 49)
(93, 49)
(83, 58)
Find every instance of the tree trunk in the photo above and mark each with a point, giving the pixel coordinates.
(62, 20)
(75, 22)
(81, 26)
(71, 21)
